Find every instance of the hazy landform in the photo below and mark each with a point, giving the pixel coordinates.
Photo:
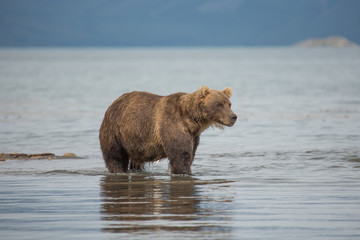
(335, 41)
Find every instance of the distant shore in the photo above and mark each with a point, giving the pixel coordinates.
(326, 42)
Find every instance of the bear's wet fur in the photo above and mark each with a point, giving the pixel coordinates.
(141, 127)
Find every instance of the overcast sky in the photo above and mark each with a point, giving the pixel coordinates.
(175, 22)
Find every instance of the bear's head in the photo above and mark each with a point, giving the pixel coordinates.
(216, 106)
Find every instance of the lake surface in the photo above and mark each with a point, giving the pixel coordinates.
(288, 169)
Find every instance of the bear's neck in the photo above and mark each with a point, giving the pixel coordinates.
(192, 113)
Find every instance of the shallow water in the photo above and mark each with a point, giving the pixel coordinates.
(288, 169)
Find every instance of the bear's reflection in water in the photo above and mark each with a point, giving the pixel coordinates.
(143, 203)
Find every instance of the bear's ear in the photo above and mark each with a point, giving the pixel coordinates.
(227, 91)
(204, 91)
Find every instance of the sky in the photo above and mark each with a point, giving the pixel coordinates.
(104, 23)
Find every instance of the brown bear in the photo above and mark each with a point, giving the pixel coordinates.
(144, 127)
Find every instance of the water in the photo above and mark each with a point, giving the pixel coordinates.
(288, 169)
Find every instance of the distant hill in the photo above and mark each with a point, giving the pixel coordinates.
(326, 42)
(175, 22)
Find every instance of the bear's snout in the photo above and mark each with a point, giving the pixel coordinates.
(233, 118)
(230, 120)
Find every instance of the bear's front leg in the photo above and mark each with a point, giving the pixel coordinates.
(179, 150)
(180, 162)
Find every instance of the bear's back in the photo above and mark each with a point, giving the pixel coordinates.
(135, 106)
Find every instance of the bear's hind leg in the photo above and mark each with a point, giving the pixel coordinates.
(117, 160)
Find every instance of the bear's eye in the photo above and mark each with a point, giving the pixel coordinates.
(229, 105)
(219, 105)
